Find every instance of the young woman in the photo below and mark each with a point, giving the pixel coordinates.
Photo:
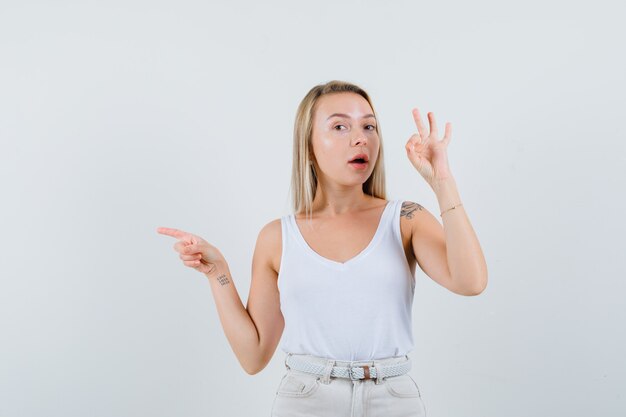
(337, 276)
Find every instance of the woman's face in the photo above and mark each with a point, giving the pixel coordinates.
(344, 126)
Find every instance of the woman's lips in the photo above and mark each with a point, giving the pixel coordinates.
(358, 165)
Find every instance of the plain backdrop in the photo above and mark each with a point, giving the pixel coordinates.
(119, 117)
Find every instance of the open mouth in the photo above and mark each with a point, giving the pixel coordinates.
(359, 158)
(358, 163)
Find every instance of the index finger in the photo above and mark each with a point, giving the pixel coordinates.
(179, 234)
(418, 121)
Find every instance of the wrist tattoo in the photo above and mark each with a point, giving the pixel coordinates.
(223, 279)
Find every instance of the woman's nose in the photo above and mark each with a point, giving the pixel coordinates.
(359, 139)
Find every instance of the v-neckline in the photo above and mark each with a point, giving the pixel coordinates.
(337, 264)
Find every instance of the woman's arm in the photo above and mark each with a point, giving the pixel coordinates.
(466, 261)
(236, 322)
(253, 331)
(450, 255)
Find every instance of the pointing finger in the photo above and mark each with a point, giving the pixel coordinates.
(179, 234)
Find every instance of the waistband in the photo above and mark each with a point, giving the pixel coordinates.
(377, 369)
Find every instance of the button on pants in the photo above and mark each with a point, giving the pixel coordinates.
(303, 394)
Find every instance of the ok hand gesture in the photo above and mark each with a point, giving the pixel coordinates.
(426, 152)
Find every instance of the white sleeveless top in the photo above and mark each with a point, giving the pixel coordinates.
(352, 311)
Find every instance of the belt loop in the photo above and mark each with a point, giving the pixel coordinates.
(286, 359)
(379, 372)
(325, 378)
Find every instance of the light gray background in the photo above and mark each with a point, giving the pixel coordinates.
(118, 117)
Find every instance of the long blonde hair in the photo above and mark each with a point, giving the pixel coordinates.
(303, 176)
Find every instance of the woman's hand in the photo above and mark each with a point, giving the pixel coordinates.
(426, 152)
(195, 252)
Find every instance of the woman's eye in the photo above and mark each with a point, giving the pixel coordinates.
(368, 127)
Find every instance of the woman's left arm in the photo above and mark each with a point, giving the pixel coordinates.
(466, 261)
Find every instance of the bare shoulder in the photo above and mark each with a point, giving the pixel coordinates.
(409, 216)
(270, 240)
(409, 209)
(416, 225)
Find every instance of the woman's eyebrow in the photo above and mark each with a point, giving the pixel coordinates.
(347, 117)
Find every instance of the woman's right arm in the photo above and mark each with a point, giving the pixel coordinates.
(253, 331)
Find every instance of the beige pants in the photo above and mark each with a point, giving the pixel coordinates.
(301, 394)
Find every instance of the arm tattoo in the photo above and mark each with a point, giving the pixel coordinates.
(408, 208)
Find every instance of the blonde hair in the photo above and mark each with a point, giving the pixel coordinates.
(303, 177)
